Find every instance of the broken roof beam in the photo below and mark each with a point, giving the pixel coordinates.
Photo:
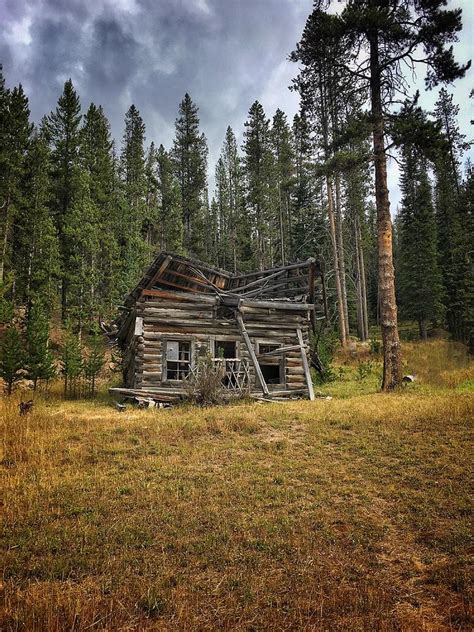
(180, 296)
(290, 283)
(199, 264)
(181, 287)
(293, 266)
(189, 278)
(167, 260)
(259, 281)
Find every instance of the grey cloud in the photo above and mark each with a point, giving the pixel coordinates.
(225, 53)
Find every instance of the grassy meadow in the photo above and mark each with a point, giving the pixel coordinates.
(348, 513)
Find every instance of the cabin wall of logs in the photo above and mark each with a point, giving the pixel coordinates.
(197, 319)
(182, 310)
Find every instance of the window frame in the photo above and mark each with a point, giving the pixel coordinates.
(215, 341)
(164, 370)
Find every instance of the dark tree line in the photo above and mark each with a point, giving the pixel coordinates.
(82, 217)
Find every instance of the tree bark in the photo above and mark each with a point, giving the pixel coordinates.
(5, 236)
(360, 313)
(386, 276)
(423, 328)
(362, 288)
(340, 248)
(337, 274)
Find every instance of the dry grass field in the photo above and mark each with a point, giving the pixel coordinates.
(350, 513)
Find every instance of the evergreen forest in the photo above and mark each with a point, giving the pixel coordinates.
(83, 214)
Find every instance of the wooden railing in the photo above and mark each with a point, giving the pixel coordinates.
(235, 373)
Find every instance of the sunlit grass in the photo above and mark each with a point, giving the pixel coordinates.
(342, 514)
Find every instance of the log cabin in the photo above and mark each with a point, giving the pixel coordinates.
(255, 325)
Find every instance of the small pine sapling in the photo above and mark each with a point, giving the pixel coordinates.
(6, 306)
(12, 358)
(39, 358)
(71, 362)
(94, 362)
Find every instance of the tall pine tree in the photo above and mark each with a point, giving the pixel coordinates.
(170, 221)
(454, 258)
(15, 130)
(97, 162)
(282, 147)
(419, 283)
(258, 170)
(62, 129)
(189, 156)
(134, 251)
(36, 247)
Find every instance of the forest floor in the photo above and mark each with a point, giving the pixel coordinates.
(350, 513)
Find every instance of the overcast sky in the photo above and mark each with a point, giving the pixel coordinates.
(225, 53)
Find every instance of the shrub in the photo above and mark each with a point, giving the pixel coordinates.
(375, 346)
(364, 369)
(39, 358)
(204, 386)
(325, 346)
(93, 362)
(6, 306)
(71, 363)
(12, 358)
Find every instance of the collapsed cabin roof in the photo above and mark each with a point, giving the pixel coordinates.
(182, 274)
(172, 276)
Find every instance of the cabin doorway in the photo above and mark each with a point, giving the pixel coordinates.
(271, 363)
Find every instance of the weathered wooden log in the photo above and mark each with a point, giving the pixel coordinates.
(180, 297)
(307, 372)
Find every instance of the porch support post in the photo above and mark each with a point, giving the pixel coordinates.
(253, 357)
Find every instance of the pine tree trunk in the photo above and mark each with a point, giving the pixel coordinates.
(362, 282)
(337, 274)
(63, 300)
(340, 248)
(282, 235)
(360, 315)
(365, 308)
(423, 328)
(5, 238)
(386, 276)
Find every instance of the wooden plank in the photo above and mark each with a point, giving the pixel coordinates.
(178, 307)
(291, 307)
(190, 279)
(179, 296)
(304, 358)
(168, 259)
(295, 370)
(177, 285)
(293, 266)
(253, 357)
(279, 351)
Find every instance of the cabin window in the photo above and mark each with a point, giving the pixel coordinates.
(225, 349)
(272, 366)
(178, 359)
